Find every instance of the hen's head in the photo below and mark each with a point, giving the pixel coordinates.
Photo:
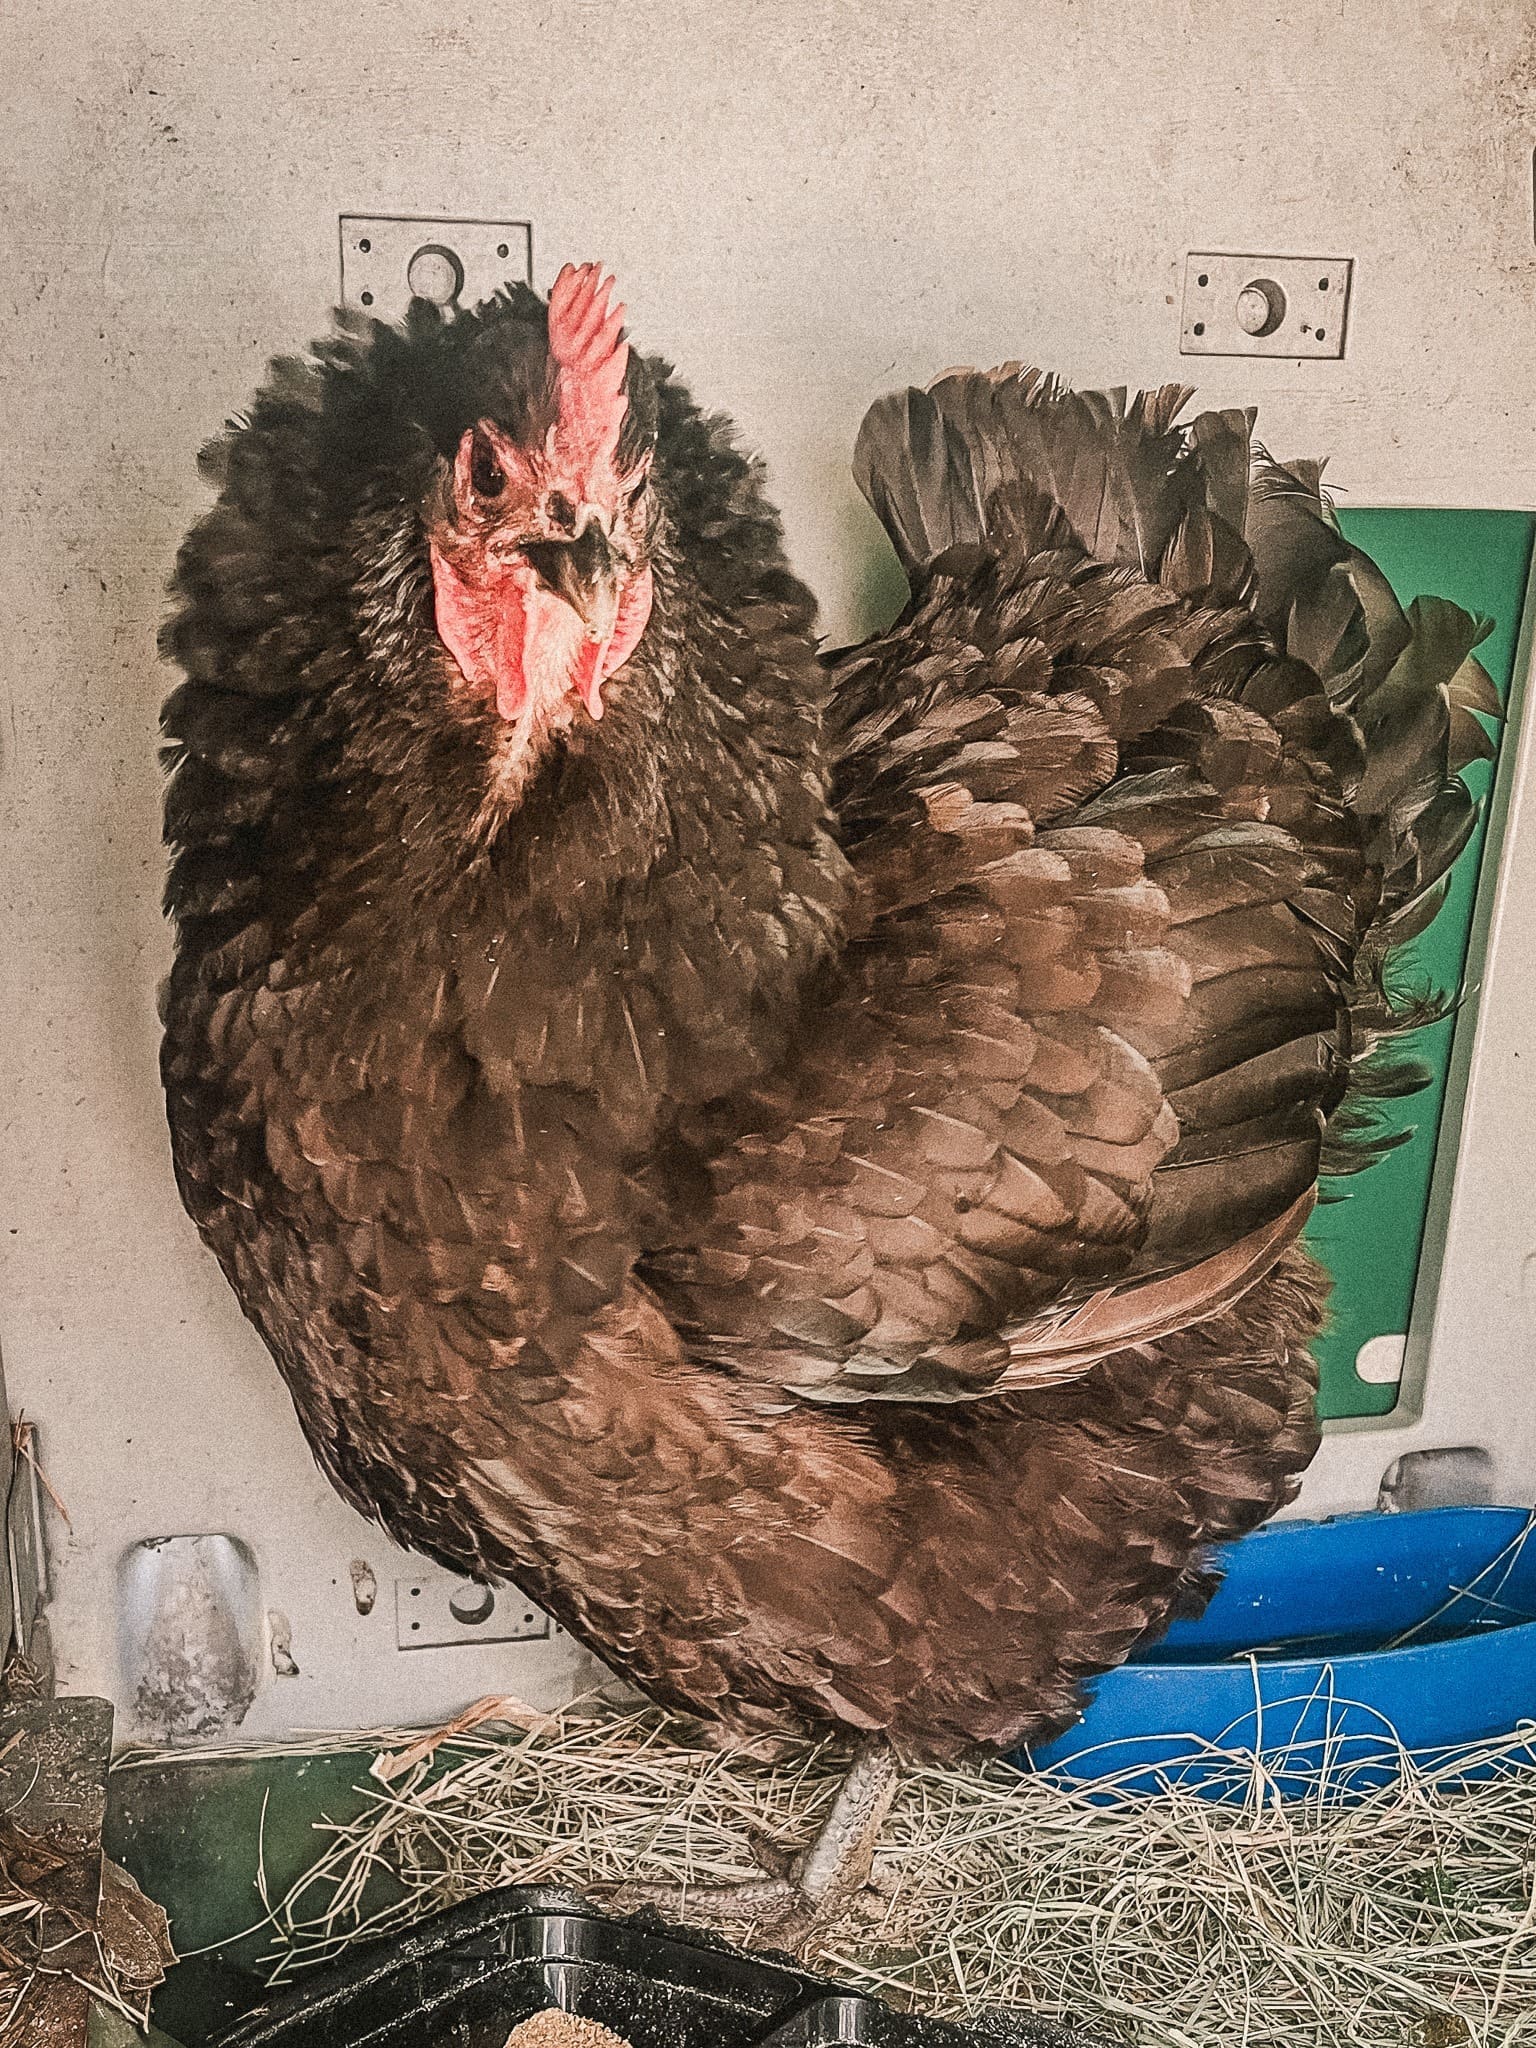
(482, 583)
(539, 516)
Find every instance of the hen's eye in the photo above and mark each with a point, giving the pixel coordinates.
(485, 472)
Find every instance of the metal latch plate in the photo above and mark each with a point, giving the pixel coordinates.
(1295, 306)
(386, 260)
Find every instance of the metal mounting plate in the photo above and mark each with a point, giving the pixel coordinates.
(377, 251)
(1309, 296)
(429, 1611)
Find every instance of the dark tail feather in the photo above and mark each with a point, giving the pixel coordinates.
(914, 467)
(1323, 601)
(1382, 1071)
(1416, 693)
(1133, 486)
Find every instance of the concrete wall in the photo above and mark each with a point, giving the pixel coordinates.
(804, 202)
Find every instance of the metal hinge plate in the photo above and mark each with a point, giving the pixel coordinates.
(387, 260)
(1295, 306)
(434, 1610)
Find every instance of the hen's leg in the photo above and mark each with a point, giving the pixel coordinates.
(820, 1883)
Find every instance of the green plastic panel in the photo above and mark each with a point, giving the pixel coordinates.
(1371, 1237)
(210, 1839)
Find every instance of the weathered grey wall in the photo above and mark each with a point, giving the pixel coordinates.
(804, 202)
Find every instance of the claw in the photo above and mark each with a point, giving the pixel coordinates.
(805, 1893)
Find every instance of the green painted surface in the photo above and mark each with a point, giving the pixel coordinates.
(204, 1839)
(1371, 1238)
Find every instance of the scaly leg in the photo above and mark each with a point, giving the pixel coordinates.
(819, 1884)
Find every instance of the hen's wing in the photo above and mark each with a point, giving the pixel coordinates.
(1150, 769)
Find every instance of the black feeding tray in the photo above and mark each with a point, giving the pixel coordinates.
(465, 1978)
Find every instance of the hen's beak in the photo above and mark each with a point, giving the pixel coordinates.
(585, 572)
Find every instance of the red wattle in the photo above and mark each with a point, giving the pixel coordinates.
(633, 614)
(587, 676)
(509, 636)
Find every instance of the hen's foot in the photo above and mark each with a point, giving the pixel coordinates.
(811, 1889)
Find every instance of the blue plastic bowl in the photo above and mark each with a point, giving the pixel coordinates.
(1329, 1649)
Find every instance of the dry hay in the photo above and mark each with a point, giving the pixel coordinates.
(1405, 1917)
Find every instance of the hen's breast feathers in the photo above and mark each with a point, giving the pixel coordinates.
(1105, 789)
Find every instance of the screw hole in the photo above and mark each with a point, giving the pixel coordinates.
(502, 249)
(471, 1604)
(1260, 307)
(367, 298)
(1202, 279)
(1322, 334)
(415, 1592)
(1322, 284)
(365, 245)
(415, 1624)
(1199, 327)
(436, 274)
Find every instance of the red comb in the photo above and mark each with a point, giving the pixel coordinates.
(586, 339)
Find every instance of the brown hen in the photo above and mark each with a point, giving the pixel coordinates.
(799, 1166)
